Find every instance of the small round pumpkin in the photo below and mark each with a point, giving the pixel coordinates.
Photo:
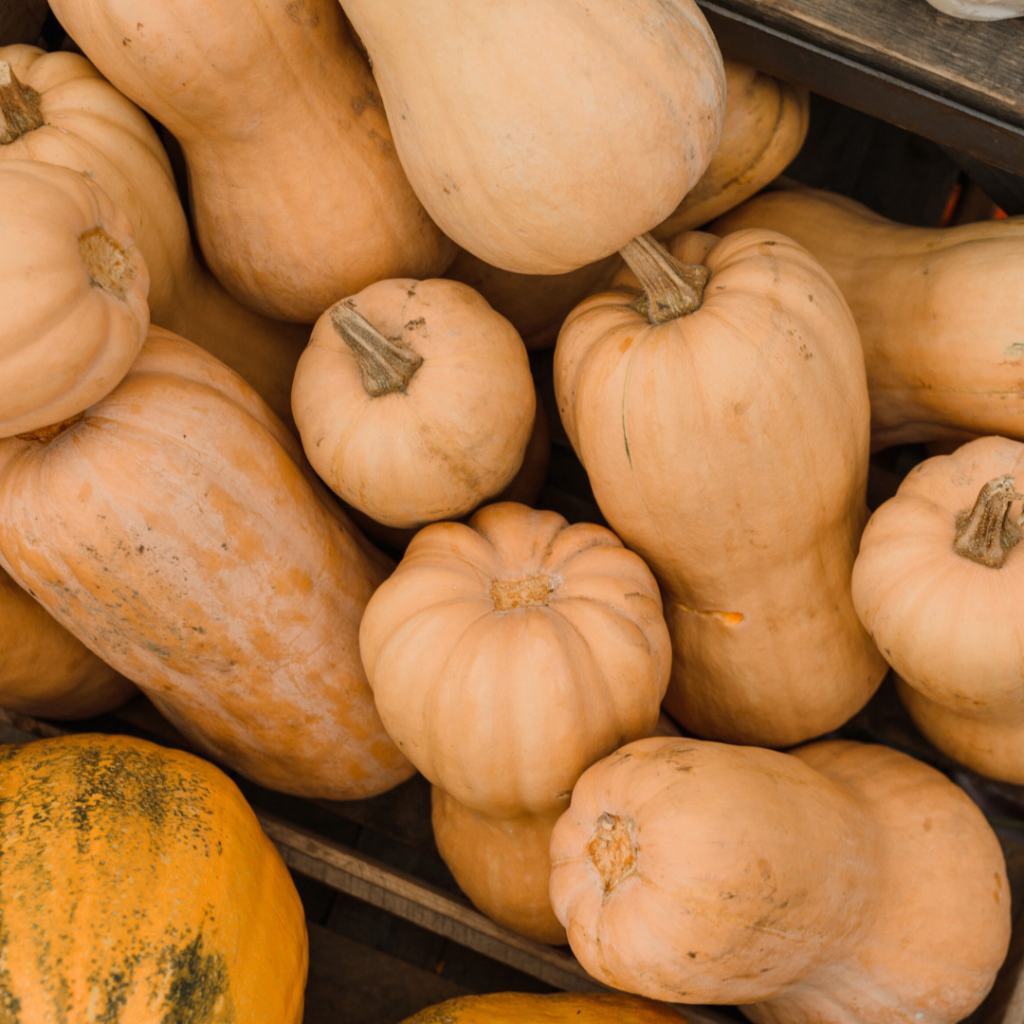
(556, 1008)
(507, 654)
(138, 887)
(939, 584)
(844, 883)
(414, 401)
(46, 671)
(73, 288)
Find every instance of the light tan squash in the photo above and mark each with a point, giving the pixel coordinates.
(298, 197)
(139, 887)
(844, 883)
(938, 583)
(556, 1008)
(414, 401)
(502, 864)
(175, 531)
(938, 311)
(44, 670)
(73, 287)
(71, 116)
(507, 654)
(727, 444)
(544, 136)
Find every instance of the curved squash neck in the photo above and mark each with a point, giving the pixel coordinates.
(671, 288)
(386, 365)
(20, 110)
(986, 534)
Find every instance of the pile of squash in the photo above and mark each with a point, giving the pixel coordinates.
(395, 204)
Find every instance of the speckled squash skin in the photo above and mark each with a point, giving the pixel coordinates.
(46, 671)
(801, 886)
(137, 886)
(87, 125)
(178, 532)
(556, 1008)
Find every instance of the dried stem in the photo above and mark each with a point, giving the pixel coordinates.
(386, 365)
(671, 288)
(986, 534)
(19, 107)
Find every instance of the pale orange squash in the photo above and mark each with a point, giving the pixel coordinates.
(176, 531)
(414, 401)
(507, 654)
(44, 670)
(139, 887)
(722, 417)
(556, 1008)
(937, 308)
(502, 864)
(544, 136)
(73, 287)
(844, 883)
(68, 114)
(297, 194)
(938, 583)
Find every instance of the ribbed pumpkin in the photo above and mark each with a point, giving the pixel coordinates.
(938, 311)
(414, 401)
(176, 531)
(297, 194)
(73, 290)
(938, 583)
(844, 883)
(139, 887)
(44, 670)
(544, 136)
(68, 114)
(722, 417)
(556, 1008)
(507, 654)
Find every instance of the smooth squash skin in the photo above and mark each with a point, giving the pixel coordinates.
(938, 311)
(73, 288)
(46, 671)
(71, 116)
(728, 446)
(543, 136)
(508, 653)
(414, 401)
(139, 887)
(938, 583)
(801, 886)
(502, 864)
(177, 532)
(556, 1008)
(298, 196)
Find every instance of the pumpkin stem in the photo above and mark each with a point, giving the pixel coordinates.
(386, 365)
(46, 434)
(986, 533)
(19, 106)
(612, 850)
(671, 288)
(528, 592)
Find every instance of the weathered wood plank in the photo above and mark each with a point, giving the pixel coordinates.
(21, 20)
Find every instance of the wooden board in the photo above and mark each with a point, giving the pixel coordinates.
(956, 82)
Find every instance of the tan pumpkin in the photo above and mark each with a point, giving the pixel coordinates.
(68, 114)
(414, 401)
(722, 418)
(297, 194)
(44, 670)
(138, 887)
(556, 1008)
(939, 366)
(174, 530)
(544, 136)
(502, 864)
(73, 290)
(938, 584)
(844, 883)
(507, 654)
